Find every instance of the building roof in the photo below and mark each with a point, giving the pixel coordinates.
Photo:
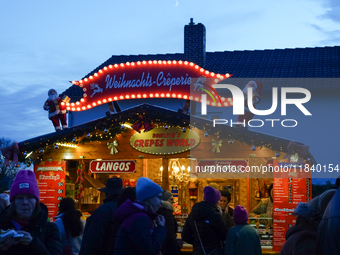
(318, 62)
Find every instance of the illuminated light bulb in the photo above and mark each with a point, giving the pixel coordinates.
(201, 70)
(80, 81)
(105, 68)
(139, 96)
(185, 96)
(218, 75)
(208, 102)
(133, 63)
(173, 95)
(104, 101)
(191, 64)
(100, 71)
(221, 77)
(151, 95)
(191, 97)
(127, 96)
(72, 104)
(133, 96)
(144, 62)
(180, 62)
(155, 61)
(116, 65)
(196, 67)
(62, 103)
(144, 95)
(229, 99)
(88, 106)
(84, 89)
(231, 103)
(110, 99)
(179, 95)
(122, 65)
(150, 62)
(99, 102)
(84, 108)
(156, 95)
(121, 97)
(212, 74)
(73, 109)
(94, 104)
(164, 62)
(77, 103)
(213, 103)
(91, 77)
(207, 72)
(196, 99)
(169, 61)
(185, 62)
(110, 66)
(227, 75)
(67, 104)
(68, 108)
(216, 80)
(115, 98)
(159, 62)
(85, 95)
(81, 85)
(95, 74)
(174, 62)
(78, 108)
(219, 104)
(167, 94)
(138, 62)
(162, 95)
(85, 79)
(127, 63)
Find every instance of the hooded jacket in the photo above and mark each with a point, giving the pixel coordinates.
(138, 234)
(46, 239)
(170, 245)
(301, 238)
(212, 228)
(329, 231)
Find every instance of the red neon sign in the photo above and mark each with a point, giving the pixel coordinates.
(146, 79)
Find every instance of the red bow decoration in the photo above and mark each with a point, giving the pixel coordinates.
(11, 153)
(142, 121)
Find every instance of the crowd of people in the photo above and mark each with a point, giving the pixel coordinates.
(141, 221)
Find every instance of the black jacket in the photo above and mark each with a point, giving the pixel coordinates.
(46, 237)
(170, 245)
(212, 228)
(96, 238)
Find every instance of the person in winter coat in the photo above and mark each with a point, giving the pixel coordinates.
(96, 238)
(302, 237)
(29, 218)
(142, 231)
(170, 245)
(70, 225)
(204, 228)
(329, 228)
(242, 239)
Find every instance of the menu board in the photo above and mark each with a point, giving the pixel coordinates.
(289, 189)
(51, 182)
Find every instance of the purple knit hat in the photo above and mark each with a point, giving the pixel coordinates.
(211, 195)
(24, 183)
(240, 215)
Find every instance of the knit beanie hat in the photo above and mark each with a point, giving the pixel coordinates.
(24, 183)
(211, 195)
(166, 195)
(240, 215)
(146, 188)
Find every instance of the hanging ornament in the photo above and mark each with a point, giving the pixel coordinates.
(41, 151)
(56, 147)
(166, 127)
(88, 136)
(112, 146)
(122, 127)
(105, 130)
(277, 154)
(74, 140)
(25, 153)
(184, 130)
(230, 141)
(216, 146)
(206, 134)
(80, 179)
(253, 148)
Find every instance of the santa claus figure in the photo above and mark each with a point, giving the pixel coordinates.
(256, 87)
(56, 107)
